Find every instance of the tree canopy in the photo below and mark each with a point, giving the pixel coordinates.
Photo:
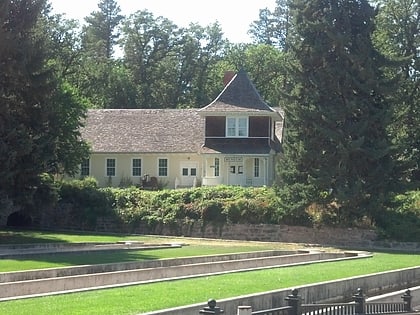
(39, 119)
(337, 150)
(345, 73)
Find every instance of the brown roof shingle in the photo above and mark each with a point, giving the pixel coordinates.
(144, 130)
(239, 95)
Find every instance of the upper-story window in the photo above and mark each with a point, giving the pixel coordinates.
(237, 127)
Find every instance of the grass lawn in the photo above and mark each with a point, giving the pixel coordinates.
(148, 297)
(196, 247)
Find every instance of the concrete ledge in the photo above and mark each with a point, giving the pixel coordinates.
(323, 292)
(187, 267)
(12, 251)
(157, 263)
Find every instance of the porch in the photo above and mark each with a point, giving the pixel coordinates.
(237, 170)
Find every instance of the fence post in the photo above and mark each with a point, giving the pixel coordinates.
(211, 308)
(407, 300)
(244, 310)
(295, 301)
(360, 300)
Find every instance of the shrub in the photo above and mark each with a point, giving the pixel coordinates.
(87, 201)
(402, 222)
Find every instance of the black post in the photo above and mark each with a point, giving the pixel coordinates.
(295, 301)
(211, 308)
(359, 298)
(407, 300)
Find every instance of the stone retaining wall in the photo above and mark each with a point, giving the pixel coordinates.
(344, 237)
(260, 232)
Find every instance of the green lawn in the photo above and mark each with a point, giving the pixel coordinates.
(194, 247)
(105, 257)
(148, 297)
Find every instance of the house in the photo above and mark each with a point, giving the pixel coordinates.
(233, 141)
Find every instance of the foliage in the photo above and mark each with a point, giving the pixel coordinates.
(272, 27)
(336, 144)
(100, 34)
(220, 205)
(39, 133)
(86, 200)
(397, 36)
(204, 205)
(403, 221)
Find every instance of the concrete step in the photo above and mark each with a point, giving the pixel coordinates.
(13, 251)
(63, 280)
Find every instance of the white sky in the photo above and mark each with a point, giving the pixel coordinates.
(234, 16)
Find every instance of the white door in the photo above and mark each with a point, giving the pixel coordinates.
(235, 173)
(188, 173)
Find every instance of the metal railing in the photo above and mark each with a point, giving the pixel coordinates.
(329, 309)
(284, 310)
(359, 306)
(385, 308)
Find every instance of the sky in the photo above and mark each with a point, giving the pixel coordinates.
(234, 16)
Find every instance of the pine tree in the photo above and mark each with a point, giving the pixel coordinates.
(100, 33)
(336, 150)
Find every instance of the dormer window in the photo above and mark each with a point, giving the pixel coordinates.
(237, 127)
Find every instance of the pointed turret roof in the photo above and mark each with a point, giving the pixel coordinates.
(239, 95)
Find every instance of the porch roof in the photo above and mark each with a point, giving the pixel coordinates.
(240, 146)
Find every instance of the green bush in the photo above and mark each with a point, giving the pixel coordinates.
(402, 222)
(216, 205)
(87, 201)
(221, 204)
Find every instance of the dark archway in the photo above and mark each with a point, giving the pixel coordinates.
(19, 219)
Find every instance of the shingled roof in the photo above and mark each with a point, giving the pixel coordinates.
(144, 130)
(238, 95)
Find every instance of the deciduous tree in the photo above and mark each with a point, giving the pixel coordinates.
(38, 124)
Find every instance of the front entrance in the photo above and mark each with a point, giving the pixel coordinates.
(188, 173)
(235, 173)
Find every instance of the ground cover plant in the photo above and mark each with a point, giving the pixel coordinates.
(154, 296)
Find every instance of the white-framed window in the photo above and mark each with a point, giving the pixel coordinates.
(163, 167)
(136, 167)
(237, 127)
(256, 167)
(111, 167)
(85, 167)
(216, 167)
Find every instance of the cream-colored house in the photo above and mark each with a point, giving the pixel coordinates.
(233, 141)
